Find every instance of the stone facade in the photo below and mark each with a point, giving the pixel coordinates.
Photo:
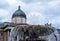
(3, 35)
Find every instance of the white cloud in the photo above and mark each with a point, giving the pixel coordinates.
(55, 20)
(35, 18)
(3, 13)
(3, 4)
(14, 2)
(53, 3)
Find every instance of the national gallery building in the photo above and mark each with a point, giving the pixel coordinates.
(19, 30)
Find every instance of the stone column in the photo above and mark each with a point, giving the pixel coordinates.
(12, 39)
(8, 35)
(8, 32)
(17, 37)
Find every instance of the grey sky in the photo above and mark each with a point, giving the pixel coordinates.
(37, 11)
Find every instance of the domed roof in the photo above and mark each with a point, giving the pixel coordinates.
(19, 13)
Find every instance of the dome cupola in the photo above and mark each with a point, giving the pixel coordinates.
(19, 13)
(19, 16)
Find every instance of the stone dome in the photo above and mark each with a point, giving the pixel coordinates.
(19, 13)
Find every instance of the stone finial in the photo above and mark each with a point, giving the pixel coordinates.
(19, 7)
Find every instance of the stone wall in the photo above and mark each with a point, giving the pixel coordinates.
(3, 35)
